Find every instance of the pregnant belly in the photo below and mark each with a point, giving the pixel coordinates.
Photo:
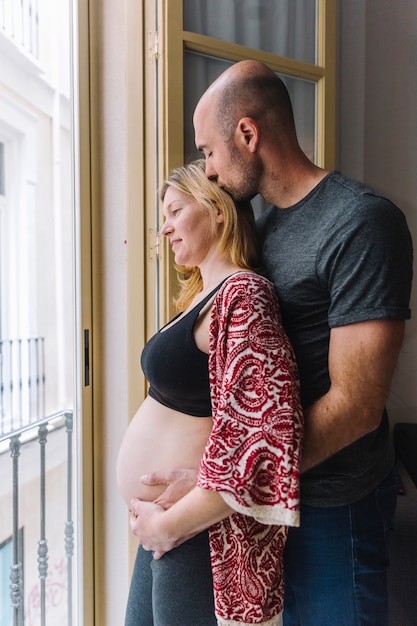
(158, 438)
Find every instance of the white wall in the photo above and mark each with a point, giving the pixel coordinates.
(377, 133)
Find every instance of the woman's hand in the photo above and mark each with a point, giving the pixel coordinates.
(162, 530)
(146, 523)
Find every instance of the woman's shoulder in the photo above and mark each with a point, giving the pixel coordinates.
(244, 285)
(247, 278)
(247, 303)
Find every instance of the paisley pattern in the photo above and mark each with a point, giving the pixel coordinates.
(252, 456)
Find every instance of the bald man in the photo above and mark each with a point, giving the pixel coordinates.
(340, 257)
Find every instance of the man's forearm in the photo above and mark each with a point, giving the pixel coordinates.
(331, 424)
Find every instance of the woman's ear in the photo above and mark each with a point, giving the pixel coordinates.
(219, 215)
(248, 133)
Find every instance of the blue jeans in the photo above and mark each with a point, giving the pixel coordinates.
(336, 562)
(176, 590)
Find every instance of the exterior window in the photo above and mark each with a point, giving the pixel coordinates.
(6, 557)
(2, 182)
(6, 615)
(38, 333)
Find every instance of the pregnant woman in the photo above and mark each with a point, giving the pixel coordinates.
(224, 401)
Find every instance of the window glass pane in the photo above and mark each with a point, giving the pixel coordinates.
(201, 70)
(6, 615)
(37, 447)
(2, 190)
(283, 27)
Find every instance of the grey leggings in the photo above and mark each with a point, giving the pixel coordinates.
(176, 590)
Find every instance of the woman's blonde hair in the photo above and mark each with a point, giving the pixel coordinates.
(238, 237)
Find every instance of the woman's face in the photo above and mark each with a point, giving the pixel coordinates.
(189, 228)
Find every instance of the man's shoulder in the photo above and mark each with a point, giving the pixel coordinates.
(340, 186)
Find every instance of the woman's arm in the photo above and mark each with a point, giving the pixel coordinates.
(252, 455)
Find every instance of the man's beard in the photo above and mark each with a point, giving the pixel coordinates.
(248, 176)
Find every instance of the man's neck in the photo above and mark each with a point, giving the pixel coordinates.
(293, 186)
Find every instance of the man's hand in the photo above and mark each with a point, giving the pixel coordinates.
(178, 482)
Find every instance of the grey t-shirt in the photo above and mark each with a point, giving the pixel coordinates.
(341, 255)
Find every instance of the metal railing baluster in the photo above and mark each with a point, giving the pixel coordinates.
(17, 439)
(69, 526)
(16, 577)
(43, 544)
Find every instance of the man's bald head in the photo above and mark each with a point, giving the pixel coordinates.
(248, 89)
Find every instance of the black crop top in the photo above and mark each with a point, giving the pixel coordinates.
(176, 369)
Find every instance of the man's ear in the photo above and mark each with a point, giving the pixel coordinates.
(248, 133)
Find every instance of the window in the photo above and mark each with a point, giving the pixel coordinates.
(2, 167)
(40, 313)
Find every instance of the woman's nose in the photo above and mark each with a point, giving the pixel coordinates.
(165, 229)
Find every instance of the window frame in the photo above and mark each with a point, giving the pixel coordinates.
(88, 530)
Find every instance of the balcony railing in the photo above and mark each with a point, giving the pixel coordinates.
(22, 383)
(44, 587)
(19, 22)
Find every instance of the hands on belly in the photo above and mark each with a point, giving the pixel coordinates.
(178, 482)
(146, 523)
(162, 529)
(144, 516)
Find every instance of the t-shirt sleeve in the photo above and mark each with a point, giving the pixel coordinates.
(366, 263)
(252, 456)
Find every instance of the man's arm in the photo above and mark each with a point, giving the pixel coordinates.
(178, 483)
(362, 360)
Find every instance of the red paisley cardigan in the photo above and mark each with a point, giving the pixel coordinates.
(253, 454)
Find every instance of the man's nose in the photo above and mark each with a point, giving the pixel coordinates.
(210, 171)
